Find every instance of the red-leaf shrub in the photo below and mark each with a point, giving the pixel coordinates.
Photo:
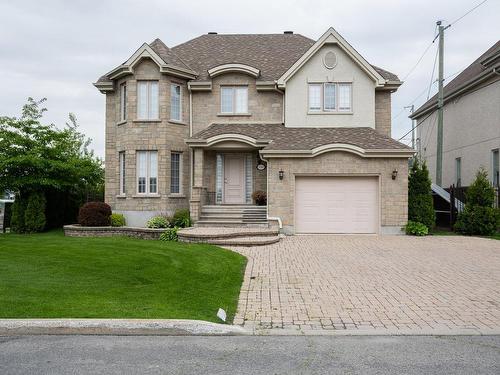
(94, 214)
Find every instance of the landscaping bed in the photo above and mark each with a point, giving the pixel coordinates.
(49, 275)
(81, 231)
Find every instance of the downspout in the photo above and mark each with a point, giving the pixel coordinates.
(191, 178)
(275, 218)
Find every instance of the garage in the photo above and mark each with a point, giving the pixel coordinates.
(336, 204)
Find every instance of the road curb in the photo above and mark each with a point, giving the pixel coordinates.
(130, 327)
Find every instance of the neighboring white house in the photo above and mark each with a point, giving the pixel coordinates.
(471, 125)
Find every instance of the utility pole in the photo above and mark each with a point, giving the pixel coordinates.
(439, 148)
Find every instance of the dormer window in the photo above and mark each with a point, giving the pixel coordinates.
(234, 99)
(330, 97)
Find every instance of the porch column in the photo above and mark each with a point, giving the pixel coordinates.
(197, 190)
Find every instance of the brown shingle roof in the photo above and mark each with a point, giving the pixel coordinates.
(283, 138)
(272, 54)
(469, 73)
(167, 54)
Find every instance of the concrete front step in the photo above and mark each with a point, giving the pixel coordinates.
(246, 241)
(229, 236)
(231, 224)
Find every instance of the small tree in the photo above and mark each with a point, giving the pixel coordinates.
(479, 217)
(420, 205)
(34, 216)
(18, 211)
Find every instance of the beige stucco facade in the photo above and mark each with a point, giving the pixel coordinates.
(345, 71)
(471, 130)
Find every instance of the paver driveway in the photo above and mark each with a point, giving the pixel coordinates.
(372, 284)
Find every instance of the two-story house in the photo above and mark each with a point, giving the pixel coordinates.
(212, 120)
(471, 123)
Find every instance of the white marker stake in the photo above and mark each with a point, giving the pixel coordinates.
(221, 314)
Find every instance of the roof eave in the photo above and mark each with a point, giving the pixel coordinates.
(425, 108)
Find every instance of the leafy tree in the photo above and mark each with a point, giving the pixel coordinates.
(420, 204)
(34, 156)
(479, 216)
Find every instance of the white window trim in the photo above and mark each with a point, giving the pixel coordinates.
(233, 89)
(148, 173)
(122, 172)
(180, 102)
(320, 99)
(148, 100)
(123, 102)
(337, 109)
(181, 187)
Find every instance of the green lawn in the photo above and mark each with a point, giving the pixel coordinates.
(51, 276)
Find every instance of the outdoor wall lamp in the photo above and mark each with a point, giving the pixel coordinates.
(281, 174)
(394, 174)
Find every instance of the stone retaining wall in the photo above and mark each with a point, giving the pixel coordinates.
(143, 233)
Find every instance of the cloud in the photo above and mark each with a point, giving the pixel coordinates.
(56, 49)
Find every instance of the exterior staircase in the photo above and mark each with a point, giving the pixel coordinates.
(231, 225)
(231, 216)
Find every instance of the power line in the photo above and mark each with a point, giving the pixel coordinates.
(467, 13)
(432, 75)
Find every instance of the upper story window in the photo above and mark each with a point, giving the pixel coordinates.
(123, 101)
(147, 100)
(495, 163)
(147, 172)
(234, 99)
(175, 102)
(458, 171)
(330, 97)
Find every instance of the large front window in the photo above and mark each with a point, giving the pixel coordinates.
(147, 100)
(495, 173)
(147, 172)
(330, 97)
(234, 99)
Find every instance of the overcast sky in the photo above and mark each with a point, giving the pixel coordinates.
(56, 49)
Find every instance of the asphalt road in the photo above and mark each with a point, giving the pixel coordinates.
(249, 355)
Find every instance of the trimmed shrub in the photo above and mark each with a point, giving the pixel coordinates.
(158, 222)
(416, 229)
(17, 217)
(117, 220)
(420, 204)
(94, 214)
(170, 234)
(34, 216)
(479, 217)
(477, 220)
(181, 219)
(260, 197)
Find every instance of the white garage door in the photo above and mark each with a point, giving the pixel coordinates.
(336, 204)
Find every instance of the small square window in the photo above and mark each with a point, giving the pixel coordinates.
(234, 99)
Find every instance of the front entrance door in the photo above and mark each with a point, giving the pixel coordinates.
(234, 179)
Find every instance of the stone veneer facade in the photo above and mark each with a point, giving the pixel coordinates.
(167, 136)
(393, 193)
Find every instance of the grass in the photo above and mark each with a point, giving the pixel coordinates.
(49, 275)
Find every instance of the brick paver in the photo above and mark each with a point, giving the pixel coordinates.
(377, 284)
